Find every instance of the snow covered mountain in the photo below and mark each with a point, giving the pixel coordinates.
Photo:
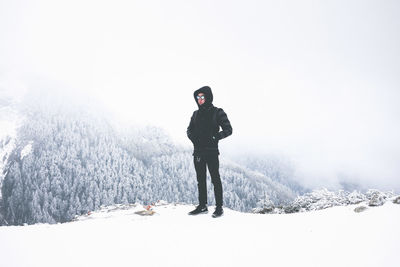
(277, 167)
(10, 119)
(120, 235)
(68, 159)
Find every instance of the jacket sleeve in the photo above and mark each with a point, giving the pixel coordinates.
(190, 130)
(225, 124)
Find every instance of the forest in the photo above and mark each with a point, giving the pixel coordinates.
(67, 162)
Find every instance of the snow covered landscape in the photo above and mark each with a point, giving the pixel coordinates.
(118, 236)
(98, 158)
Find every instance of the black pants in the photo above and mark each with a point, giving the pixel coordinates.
(212, 162)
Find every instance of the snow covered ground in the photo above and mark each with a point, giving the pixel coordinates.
(117, 236)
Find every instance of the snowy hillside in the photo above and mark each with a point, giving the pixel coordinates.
(119, 236)
(9, 120)
(67, 161)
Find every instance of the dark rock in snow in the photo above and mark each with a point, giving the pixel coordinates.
(396, 200)
(360, 209)
(292, 208)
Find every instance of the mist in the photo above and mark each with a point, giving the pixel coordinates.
(316, 83)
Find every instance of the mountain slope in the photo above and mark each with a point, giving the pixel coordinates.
(68, 160)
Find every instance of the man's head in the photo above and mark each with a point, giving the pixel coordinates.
(203, 96)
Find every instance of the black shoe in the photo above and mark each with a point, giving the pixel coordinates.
(199, 209)
(218, 212)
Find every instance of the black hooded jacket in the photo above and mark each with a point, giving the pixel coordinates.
(204, 127)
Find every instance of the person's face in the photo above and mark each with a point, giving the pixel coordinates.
(201, 98)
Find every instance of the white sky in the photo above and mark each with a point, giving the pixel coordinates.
(315, 80)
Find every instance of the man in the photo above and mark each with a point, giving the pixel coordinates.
(204, 132)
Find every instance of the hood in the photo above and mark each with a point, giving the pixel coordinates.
(206, 90)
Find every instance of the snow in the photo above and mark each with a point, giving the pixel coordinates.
(7, 144)
(117, 236)
(26, 150)
(10, 119)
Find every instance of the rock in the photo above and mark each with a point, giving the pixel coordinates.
(265, 210)
(145, 212)
(376, 201)
(291, 208)
(396, 200)
(269, 210)
(360, 209)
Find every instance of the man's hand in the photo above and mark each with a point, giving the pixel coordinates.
(215, 138)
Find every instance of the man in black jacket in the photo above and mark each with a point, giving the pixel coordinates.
(204, 133)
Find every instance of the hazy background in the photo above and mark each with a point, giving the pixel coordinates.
(314, 81)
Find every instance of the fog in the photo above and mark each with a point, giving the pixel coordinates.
(316, 82)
